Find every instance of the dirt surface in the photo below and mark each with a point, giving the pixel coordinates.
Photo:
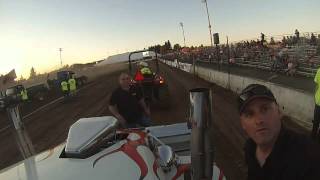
(49, 127)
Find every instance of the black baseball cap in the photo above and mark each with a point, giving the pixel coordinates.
(252, 92)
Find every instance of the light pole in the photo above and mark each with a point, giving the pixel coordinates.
(228, 62)
(60, 50)
(205, 1)
(184, 38)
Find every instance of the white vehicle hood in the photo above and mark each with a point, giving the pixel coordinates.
(116, 165)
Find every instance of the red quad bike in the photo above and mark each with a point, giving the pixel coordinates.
(154, 87)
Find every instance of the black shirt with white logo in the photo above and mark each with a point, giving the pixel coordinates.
(294, 157)
(127, 103)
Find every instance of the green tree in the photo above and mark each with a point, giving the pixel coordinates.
(162, 49)
(32, 73)
(169, 47)
(155, 48)
(21, 78)
(176, 47)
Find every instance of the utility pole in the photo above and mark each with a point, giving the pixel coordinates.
(210, 33)
(228, 48)
(184, 38)
(228, 62)
(60, 50)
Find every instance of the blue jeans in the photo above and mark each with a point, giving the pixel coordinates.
(143, 121)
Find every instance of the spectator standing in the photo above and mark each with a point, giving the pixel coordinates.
(273, 62)
(311, 60)
(292, 67)
(297, 33)
(313, 40)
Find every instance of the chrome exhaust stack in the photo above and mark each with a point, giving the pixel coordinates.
(200, 120)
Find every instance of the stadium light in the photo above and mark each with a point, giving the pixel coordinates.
(60, 50)
(184, 38)
(210, 33)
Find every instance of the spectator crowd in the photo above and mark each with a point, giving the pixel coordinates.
(284, 55)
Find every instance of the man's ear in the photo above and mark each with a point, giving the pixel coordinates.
(279, 110)
(244, 129)
(242, 124)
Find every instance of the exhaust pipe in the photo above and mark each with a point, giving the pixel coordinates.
(200, 120)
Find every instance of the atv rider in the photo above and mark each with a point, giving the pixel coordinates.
(145, 77)
(128, 106)
(143, 71)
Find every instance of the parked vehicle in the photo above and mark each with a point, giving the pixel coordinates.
(65, 75)
(13, 95)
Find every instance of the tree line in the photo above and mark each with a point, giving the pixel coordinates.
(165, 48)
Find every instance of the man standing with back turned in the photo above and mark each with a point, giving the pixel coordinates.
(72, 86)
(272, 151)
(64, 88)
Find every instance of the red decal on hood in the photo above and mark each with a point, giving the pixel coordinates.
(181, 169)
(221, 175)
(155, 168)
(132, 152)
(130, 149)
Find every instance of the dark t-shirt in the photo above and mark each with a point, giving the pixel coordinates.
(294, 157)
(127, 103)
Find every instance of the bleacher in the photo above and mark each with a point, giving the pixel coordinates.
(304, 68)
(306, 57)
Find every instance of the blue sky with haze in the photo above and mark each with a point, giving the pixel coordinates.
(32, 31)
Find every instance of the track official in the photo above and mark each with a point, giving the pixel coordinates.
(72, 85)
(64, 88)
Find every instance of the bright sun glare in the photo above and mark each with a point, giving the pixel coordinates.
(12, 59)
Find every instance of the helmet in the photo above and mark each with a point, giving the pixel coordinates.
(144, 64)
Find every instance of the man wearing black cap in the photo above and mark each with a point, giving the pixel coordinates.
(273, 152)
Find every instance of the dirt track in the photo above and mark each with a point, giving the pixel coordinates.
(49, 127)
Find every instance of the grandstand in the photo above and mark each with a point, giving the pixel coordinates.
(302, 53)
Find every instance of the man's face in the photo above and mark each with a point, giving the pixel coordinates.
(261, 119)
(124, 81)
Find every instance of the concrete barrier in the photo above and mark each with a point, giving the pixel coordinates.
(297, 104)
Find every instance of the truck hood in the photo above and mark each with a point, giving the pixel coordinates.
(107, 164)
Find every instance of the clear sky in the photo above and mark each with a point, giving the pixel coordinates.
(32, 31)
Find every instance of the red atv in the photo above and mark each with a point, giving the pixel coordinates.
(152, 85)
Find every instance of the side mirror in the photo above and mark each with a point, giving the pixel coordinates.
(166, 157)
